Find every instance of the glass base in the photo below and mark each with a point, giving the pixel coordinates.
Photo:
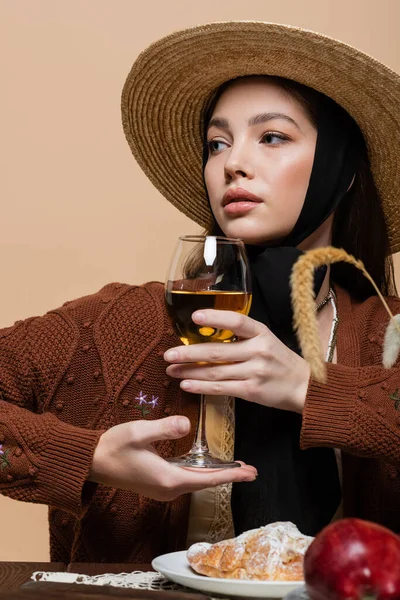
(202, 460)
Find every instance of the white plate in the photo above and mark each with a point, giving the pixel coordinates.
(175, 567)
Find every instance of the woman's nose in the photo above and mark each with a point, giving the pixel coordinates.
(238, 165)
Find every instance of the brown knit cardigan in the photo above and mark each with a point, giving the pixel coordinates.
(69, 375)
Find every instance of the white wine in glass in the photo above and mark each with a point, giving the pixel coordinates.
(206, 272)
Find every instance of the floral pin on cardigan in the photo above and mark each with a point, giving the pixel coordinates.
(146, 406)
(4, 462)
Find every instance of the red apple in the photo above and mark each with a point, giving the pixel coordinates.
(352, 559)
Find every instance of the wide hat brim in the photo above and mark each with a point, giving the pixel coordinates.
(172, 81)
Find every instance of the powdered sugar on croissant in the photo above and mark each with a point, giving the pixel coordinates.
(274, 552)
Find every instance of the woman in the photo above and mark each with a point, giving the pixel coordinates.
(84, 388)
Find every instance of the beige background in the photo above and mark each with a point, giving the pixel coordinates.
(76, 212)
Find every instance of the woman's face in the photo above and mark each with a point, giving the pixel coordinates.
(261, 150)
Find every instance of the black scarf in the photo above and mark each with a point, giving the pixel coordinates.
(295, 485)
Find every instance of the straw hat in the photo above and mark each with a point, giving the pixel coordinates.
(171, 82)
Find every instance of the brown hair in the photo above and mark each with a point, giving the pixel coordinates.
(359, 225)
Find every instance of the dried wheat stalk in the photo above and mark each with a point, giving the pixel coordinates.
(305, 318)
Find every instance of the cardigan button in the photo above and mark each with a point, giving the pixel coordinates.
(166, 383)
(2, 438)
(87, 324)
(125, 402)
(64, 522)
(59, 406)
(381, 411)
(10, 477)
(18, 452)
(168, 410)
(96, 374)
(86, 348)
(32, 471)
(393, 475)
(70, 379)
(361, 394)
(384, 385)
(113, 509)
(139, 378)
(96, 401)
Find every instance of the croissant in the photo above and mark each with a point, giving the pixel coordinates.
(271, 553)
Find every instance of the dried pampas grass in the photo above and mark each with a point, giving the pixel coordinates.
(391, 345)
(305, 318)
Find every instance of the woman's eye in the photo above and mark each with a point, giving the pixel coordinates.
(273, 139)
(216, 146)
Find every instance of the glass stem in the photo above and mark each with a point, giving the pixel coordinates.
(200, 445)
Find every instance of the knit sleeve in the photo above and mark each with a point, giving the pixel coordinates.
(42, 459)
(357, 410)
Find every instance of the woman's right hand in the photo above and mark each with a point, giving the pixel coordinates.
(125, 458)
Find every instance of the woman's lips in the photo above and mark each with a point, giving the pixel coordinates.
(238, 201)
(236, 208)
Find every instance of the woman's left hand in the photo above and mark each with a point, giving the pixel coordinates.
(258, 367)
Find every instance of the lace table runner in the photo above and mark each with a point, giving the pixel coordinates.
(135, 580)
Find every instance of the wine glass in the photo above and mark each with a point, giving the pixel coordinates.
(206, 272)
